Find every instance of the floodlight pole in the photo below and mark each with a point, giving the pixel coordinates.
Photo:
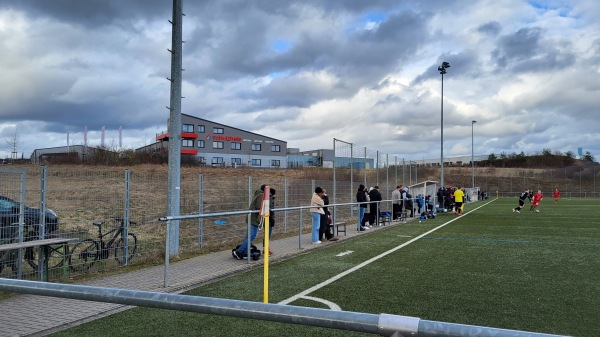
(472, 157)
(442, 70)
(174, 174)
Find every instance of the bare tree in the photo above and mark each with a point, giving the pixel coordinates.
(13, 144)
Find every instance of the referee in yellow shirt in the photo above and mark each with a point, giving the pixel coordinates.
(459, 196)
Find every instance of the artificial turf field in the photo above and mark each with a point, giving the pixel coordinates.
(531, 271)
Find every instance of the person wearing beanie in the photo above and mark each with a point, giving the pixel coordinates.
(361, 197)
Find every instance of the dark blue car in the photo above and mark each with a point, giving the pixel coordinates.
(9, 219)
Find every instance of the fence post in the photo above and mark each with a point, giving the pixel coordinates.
(166, 273)
(365, 166)
(200, 209)
(21, 224)
(377, 169)
(42, 220)
(285, 203)
(126, 218)
(351, 179)
(249, 220)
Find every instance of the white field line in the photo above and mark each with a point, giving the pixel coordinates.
(371, 260)
(330, 304)
(345, 253)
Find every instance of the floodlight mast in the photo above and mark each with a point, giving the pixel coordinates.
(472, 158)
(442, 70)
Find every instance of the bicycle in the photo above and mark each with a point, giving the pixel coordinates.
(86, 252)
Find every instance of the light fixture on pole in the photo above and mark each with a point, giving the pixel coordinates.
(472, 156)
(442, 70)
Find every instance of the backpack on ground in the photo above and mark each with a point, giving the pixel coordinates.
(254, 252)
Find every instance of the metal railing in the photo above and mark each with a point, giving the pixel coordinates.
(382, 324)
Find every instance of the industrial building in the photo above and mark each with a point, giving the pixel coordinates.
(222, 145)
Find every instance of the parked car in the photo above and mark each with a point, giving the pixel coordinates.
(9, 219)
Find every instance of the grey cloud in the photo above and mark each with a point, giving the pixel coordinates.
(466, 63)
(526, 50)
(491, 28)
(92, 13)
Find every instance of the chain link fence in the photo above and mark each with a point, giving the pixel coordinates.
(128, 203)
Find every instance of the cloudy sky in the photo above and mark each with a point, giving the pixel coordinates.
(363, 71)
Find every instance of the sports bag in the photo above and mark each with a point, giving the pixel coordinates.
(254, 252)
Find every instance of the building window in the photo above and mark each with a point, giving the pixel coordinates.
(256, 147)
(187, 142)
(187, 128)
(217, 160)
(201, 143)
(236, 146)
(275, 148)
(236, 161)
(275, 163)
(255, 162)
(217, 145)
(200, 128)
(218, 130)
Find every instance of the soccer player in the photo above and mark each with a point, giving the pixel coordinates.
(556, 194)
(537, 198)
(525, 195)
(458, 200)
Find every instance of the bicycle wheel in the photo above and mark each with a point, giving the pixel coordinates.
(120, 244)
(83, 255)
(55, 256)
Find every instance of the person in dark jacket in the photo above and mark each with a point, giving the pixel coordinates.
(361, 197)
(440, 197)
(374, 212)
(325, 229)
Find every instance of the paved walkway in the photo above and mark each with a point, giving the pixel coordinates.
(31, 315)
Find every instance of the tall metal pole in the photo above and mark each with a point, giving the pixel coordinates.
(442, 134)
(472, 157)
(174, 174)
(442, 70)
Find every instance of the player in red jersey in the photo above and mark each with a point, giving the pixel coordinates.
(535, 201)
(556, 194)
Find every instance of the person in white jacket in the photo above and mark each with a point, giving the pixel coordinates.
(316, 210)
(396, 202)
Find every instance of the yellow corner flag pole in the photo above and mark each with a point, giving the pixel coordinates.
(266, 269)
(265, 214)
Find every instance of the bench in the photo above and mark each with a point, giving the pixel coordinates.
(385, 217)
(337, 225)
(45, 245)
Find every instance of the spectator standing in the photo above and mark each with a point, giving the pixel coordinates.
(420, 203)
(556, 195)
(403, 198)
(324, 229)
(255, 221)
(396, 206)
(375, 197)
(440, 197)
(316, 210)
(361, 197)
(408, 203)
(366, 223)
